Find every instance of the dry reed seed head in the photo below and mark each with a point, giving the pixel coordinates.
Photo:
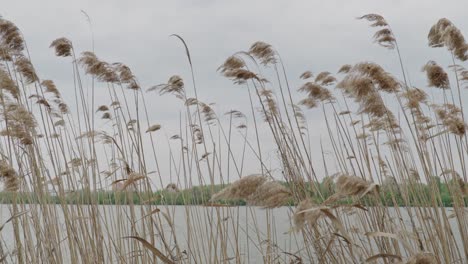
(356, 86)
(309, 102)
(231, 63)
(175, 86)
(5, 54)
(321, 76)
(270, 194)
(345, 68)
(63, 108)
(63, 47)
(9, 177)
(241, 76)
(384, 37)
(451, 118)
(102, 108)
(106, 115)
(25, 67)
(60, 122)
(373, 105)
(126, 76)
(436, 75)
(423, 258)
(414, 97)
(191, 101)
(103, 71)
(306, 212)
(44, 102)
(374, 18)
(19, 115)
(241, 126)
(236, 114)
(445, 33)
(347, 185)
(172, 187)
(435, 33)
(50, 88)
(242, 188)
(316, 91)
(306, 75)
(10, 37)
(197, 135)
(153, 128)
(270, 103)
(383, 80)
(208, 114)
(264, 52)
(6, 83)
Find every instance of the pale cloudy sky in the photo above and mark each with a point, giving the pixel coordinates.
(309, 35)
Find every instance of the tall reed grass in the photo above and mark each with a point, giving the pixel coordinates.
(390, 141)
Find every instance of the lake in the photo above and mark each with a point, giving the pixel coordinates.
(216, 234)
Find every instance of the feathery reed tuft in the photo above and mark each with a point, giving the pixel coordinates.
(436, 75)
(63, 47)
(384, 37)
(445, 33)
(264, 52)
(9, 177)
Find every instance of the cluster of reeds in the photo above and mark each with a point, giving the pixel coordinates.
(387, 142)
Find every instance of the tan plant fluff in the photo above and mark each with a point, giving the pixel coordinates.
(264, 52)
(423, 258)
(451, 118)
(306, 75)
(102, 108)
(384, 37)
(63, 47)
(25, 67)
(347, 185)
(10, 37)
(242, 188)
(153, 128)
(7, 84)
(270, 194)
(445, 33)
(9, 177)
(175, 86)
(306, 213)
(436, 75)
(257, 191)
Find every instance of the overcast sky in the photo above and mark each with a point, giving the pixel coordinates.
(309, 35)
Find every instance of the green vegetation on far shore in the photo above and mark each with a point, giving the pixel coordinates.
(200, 195)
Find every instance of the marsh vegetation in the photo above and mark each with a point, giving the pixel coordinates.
(398, 158)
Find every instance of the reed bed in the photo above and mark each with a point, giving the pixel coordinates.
(398, 157)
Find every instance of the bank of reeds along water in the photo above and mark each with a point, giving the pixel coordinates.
(389, 141)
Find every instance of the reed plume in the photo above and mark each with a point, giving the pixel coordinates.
(63, 47)
(153, 128)
(436, 75)
(242, 188)
(445, 33)
(451, 118)
(174, 86)
(384, 37)
(306, 75)
(9, 177)
(11, 41)
(306, 213)
(7, 84)
(256, 190)
(422, 258)
(25, 67)
(264, 52)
